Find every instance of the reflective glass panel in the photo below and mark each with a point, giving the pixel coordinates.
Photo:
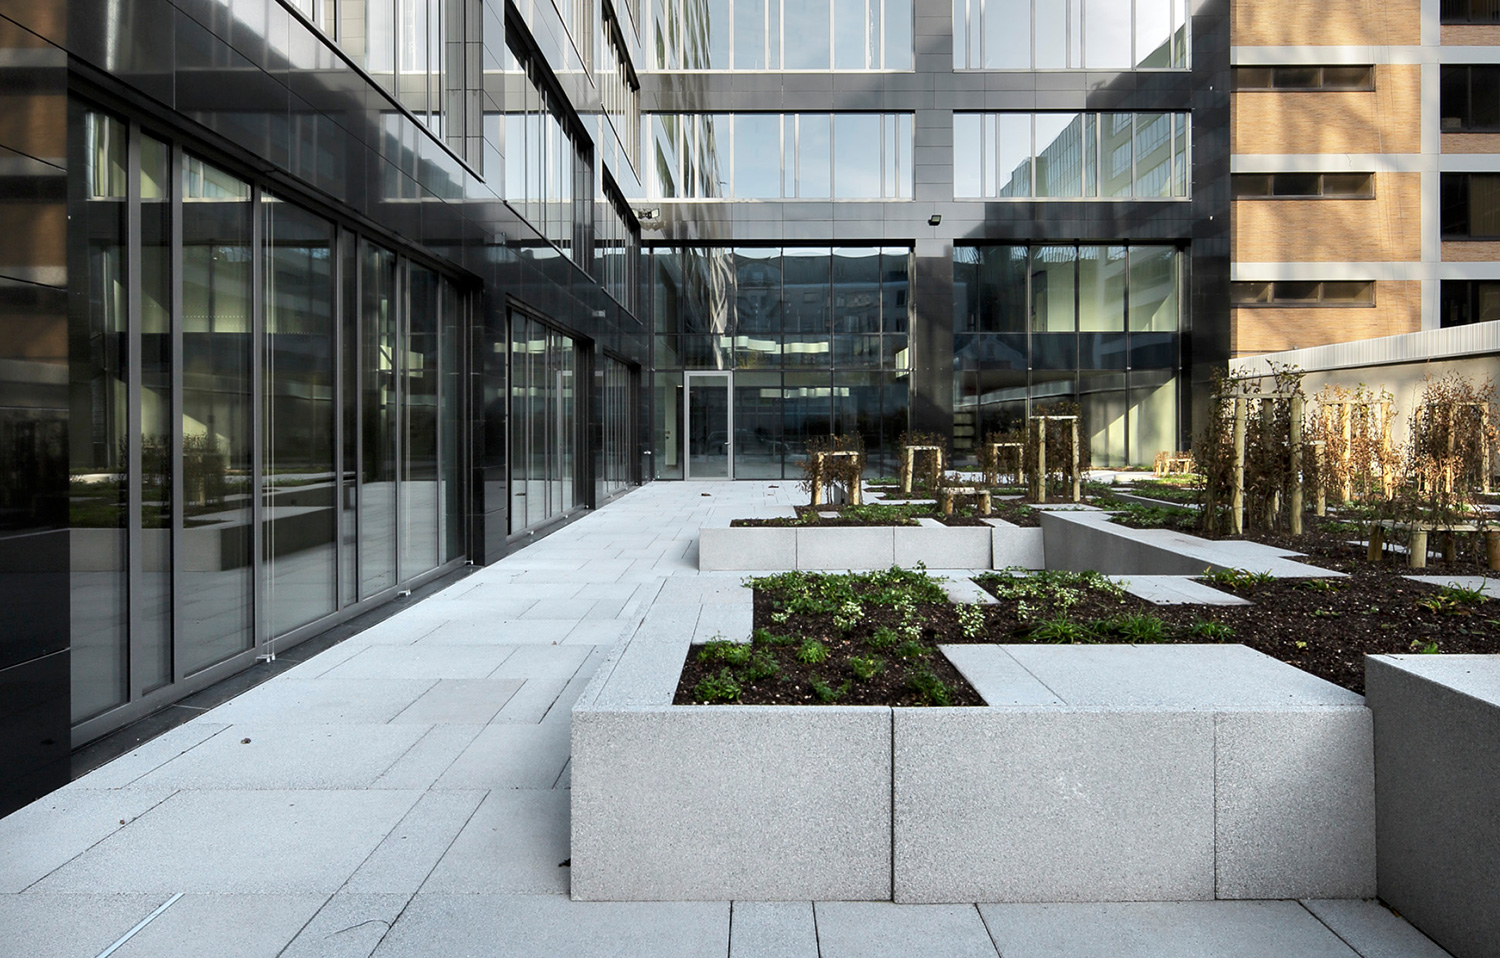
(750, 34)
(1116, 154)
(1007, 35)
(1152, 415)
(1052, 288)
(1101, 288)
(758, 446)
(1106, 35)
(1059, 154)
(757, 293)
(155, 592)
(856, 164)
(967, 154)
(1002, 289)
(849, 36)
(1013, 154)
(298, 491)
(1052, 35)
(813, 159)
(419, 396)
(99, 438)
(1153, 33)
(379, 419)
(1153, 289)
(897, 35)
(807, 37)
(757, 156)
(216, 416)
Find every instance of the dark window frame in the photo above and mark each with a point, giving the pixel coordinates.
(1456, 210)
(1280, 191)
(1318, 289)
(1242, 75)
(1458, 81)
(1462, 12)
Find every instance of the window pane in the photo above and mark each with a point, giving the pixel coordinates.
(812, 155)
(856, 290)
(1297, 78)
(1348, 78)
(1349, 293)
(857, 163)
(1013, 154)
(298, 492)
(1153, 289)
(1484, 98)
(1455, 97)
(1243, 293)
(157, 490)
(1153, 33)
(1060, 154)
(1252, 78)
(898, 39)
(98, 384)
(1115, 150)
(1455, 203)
(1296, 184)
(750, 34)
(1152, 418)
(1051, 36)
(1153, 154)
(757, 155)
(1484, 204)
(1101, 288)
(1348, 184)
(805, 286)
(1251, 184)
(1295, 292)
(961, 35)
(895, 279)
(1106, 35)
(966, 154)
(377, 468)
(1002, 289)
(758, 445)
(1052, 288)
(849, 34)
(419, 380)
(216, 397)
(715, 32)
(807, 35)
(1007, 35)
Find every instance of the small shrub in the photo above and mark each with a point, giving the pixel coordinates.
(1237, 578)
(884, 638)
(912, 649)
(770, 638)
(1210, 631)
(812, 652)
(1320, 585)
(827, 693)
(1453, 599)
(1137, 627)
(718, 688)
(926, 684)
(1430, 648)
(1060, 631)
(730, 653)
(762, 666)
(866, 667)
(849, 615)
(970, 620)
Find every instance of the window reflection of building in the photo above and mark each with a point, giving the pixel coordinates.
(1075, 155)
(1072, 35)
(804, 35)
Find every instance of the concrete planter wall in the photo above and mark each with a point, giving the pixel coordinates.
(872, 547)
(1067, 796)
(1437, 762)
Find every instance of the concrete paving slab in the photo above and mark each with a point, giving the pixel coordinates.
(289, 756)
(246, 926)
(998, 677)
(405, 858)
(460, 702)
(516, 843)
(239, 842)
(772, 929)
(67, 926)
(1175, 590)
(149, 755)
(426, 661)
(731, 622)
(510, 756)
(543, 662)
(963, 590)
(322, 701)
(576, 607)
(429, 758)
(1175, 676)
(1222, 929)
(600, 632)
(532, 703)
(45, 835)
(441, 924)
(858, 929)
(1488, 585)
(498, 632)
(347, 926)
(1373, 930)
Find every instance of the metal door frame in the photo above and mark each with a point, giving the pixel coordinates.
(687, 423)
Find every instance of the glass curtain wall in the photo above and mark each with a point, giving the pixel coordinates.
(1070, 155)
(619, 403)
(1095, 324)
(810, 35)
(218, 442)
(816, 338)
(1072, 35)
(543, 423)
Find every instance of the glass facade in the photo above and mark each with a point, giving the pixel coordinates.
(544, 390)
(816, 339)
(1071, 155)
(1095, 324)
(1071, 34)
(767, 156)
(804, 35)
(229, 338)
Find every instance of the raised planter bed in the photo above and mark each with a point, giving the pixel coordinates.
(994, 545)
(1437, 758)
(1256, 786)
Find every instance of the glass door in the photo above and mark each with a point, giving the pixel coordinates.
(710, 426)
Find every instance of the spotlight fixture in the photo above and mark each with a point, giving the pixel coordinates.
(935, 219)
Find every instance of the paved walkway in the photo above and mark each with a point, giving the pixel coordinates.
(406, 794)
